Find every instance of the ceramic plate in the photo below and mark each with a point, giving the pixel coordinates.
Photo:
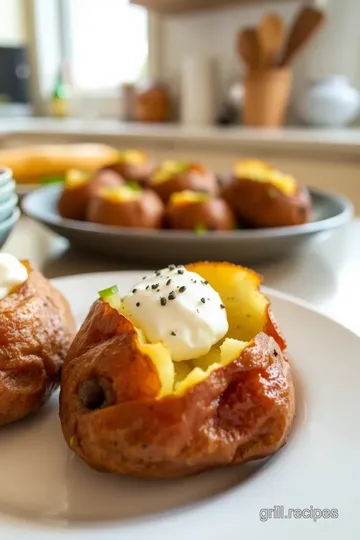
(310, 489)
(164, 247)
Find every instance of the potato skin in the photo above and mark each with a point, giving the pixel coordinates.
(240, 412)
(261, 204)
(147, 212)
(214, 215)
(73, 202)
(135, 172)
(193, 180)
(36, 329)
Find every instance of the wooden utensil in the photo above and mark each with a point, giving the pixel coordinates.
(271, 35)
(248, 47)
(307, 22)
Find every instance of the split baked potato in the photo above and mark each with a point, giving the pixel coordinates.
(174, 176)
(80, 186)
(189, 210)
(36, 329)
(134, 166)
(126, 407)
(126, 207)
(262, 196)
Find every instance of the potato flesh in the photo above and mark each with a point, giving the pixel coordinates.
(188, 197)
(120, 194)
(246, 309)
(262, 172)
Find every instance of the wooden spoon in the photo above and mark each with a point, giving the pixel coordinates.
(248, 47)
(271, 34)
(307, 22)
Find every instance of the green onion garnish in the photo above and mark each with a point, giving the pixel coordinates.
(110, 291)
(134, 186)
(52, 180)
(200, 229)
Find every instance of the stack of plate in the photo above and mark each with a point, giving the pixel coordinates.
(9, 211)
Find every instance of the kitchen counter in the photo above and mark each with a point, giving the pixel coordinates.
(346, 141)
(326, 275)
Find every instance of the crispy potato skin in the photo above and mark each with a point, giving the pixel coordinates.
(135, 172)
(261, 204)
(147, 212)
(203, 181)
(36, 329)
(242, 411)
(73, 202)
(214, 214)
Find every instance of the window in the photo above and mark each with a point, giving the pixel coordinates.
(106, 42)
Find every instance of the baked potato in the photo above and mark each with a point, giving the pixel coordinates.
(173, 176)
(134, 166)
(126, 207)
(262, 196)
(199, 212)
(80, 186)
(126, 407)
(36, 329)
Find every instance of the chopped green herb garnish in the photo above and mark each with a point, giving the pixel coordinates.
(56, 179)
(272, 193)
(110, 291)
(134, 186)
(200, 229)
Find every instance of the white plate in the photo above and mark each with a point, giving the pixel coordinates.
(46, 493)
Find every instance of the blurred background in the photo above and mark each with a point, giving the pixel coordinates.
(96, 54)
(188, 79)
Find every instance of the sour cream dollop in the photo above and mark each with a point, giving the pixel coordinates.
(12, 274)
(180, 309)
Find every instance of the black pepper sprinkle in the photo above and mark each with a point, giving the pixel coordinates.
(172, 295)
(180, 271)
(147, 287)
(158, 290)
(168, 282)
(205, 282)
(275, 353)
(158, 273)
(171, 266)
(182, 289)
(134, 291)
(173, 333)
(155, 286)
(137, 304)
(202, 300)
(163, 301)
(144, 277)
(222, 306)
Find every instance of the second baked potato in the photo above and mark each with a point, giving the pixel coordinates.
(80, 187)
(174, 176)
(262, 196)
(134, 166)
(189, 210)
(126, 207)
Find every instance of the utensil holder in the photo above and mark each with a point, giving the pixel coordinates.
(266, 97)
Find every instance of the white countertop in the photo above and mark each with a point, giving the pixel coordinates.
(326, 275)
(299, 139)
